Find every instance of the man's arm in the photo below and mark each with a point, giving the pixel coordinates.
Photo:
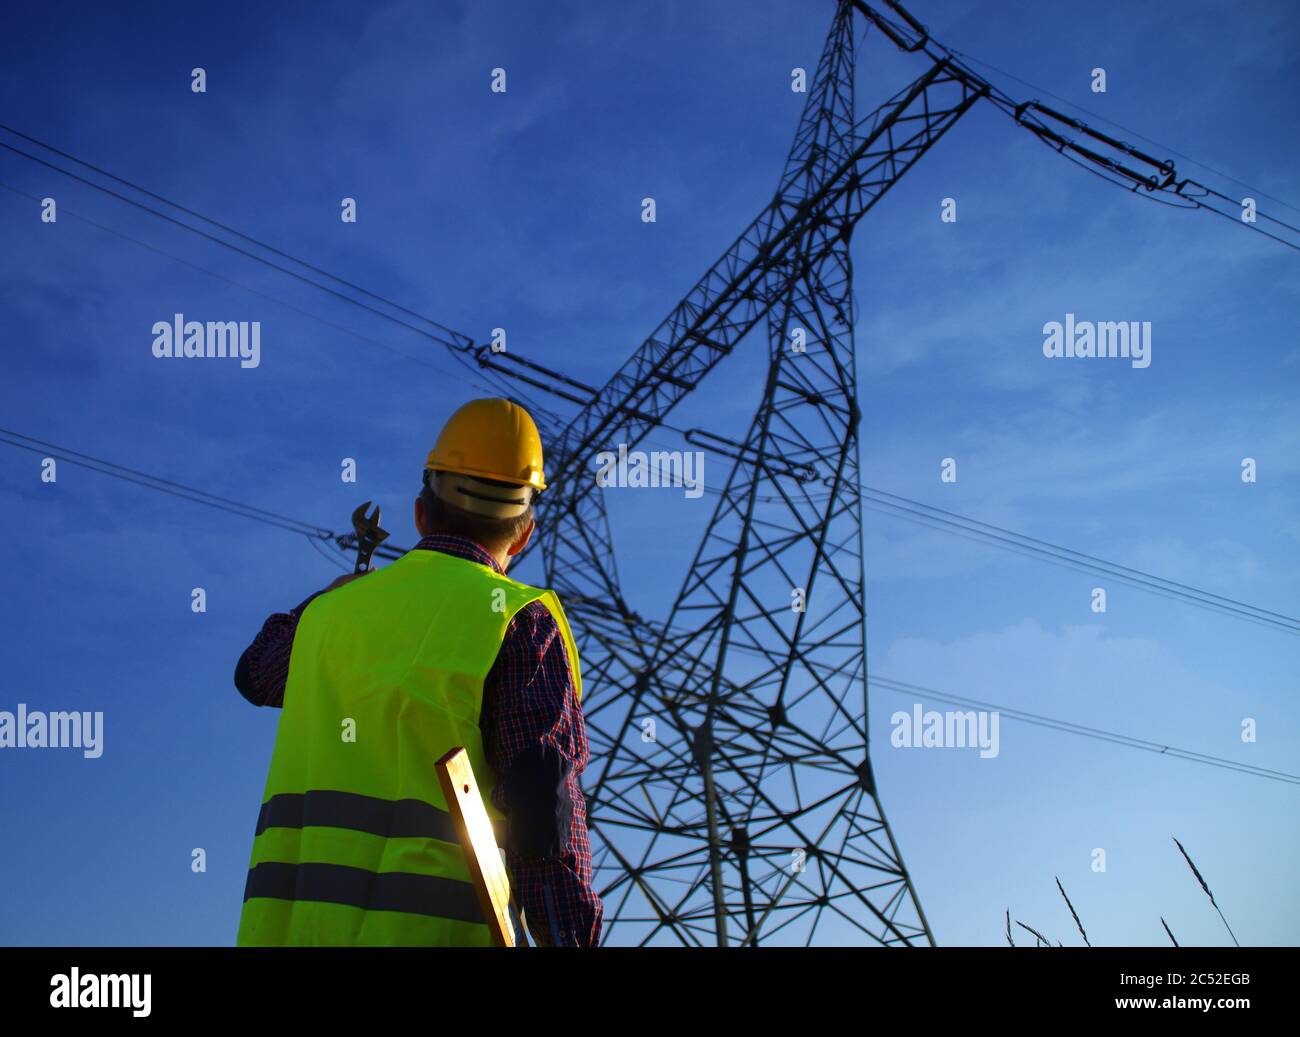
(263, 669)
(536, 741)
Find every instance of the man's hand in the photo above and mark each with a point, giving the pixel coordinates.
(347, 578)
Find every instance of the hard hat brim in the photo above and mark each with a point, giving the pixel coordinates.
(537, 483)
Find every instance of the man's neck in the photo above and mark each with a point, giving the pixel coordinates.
(502, 558)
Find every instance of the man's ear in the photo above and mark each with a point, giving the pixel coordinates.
(522, 542)
(420, 517)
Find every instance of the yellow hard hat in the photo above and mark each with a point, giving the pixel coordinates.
(490, 439)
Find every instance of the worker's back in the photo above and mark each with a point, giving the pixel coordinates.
(354, 844)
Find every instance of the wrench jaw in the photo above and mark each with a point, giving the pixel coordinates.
(369, 536)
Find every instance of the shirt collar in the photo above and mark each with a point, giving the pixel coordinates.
(460, 547)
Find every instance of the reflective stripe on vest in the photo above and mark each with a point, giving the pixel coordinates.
(354, 844)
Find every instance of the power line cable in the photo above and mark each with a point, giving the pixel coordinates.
(1008, 106)
(230, 230)
(440, 368)
(319, 548)
(478, 385)
(1191, 203)
(1021, 543)
(160, 485)
(999, 536)
(1181, 591)
(1069, 727)
(1032, 553)
(917, 37)
(875, 680)
(224, 244)
(459, 347)
(1079, 554)
(1118, 126)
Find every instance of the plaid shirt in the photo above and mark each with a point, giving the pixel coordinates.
(528, 699)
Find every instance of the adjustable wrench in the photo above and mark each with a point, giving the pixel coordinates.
(369, 536)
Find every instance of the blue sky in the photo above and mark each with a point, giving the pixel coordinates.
(523, 211)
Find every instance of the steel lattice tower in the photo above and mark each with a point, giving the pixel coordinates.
(760, 760)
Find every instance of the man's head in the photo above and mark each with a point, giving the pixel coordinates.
(481, 476)
(502, 537)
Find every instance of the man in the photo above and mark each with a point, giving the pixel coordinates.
(379, 677)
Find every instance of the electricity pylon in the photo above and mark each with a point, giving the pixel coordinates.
(751, 812)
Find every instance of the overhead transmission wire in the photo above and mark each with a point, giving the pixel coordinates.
(414, 358)
(180, 490)
(332, 559)
(1000, 536)
(875, 680)
(1190, 201)
(227, 228)
(161, 485)
(457, 349)
(1043, 548)
(1005, 103)
(1082, 730)
(1021, 543)
(1189, 191)
(459, 345)
(442, 369)
(1119, 126)
(1054, 723)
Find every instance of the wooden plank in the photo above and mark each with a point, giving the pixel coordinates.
(475, 828)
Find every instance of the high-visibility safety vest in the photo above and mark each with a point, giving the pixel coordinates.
(354, 845)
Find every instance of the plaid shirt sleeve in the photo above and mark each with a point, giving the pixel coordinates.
(264, 667)
(529, 700)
